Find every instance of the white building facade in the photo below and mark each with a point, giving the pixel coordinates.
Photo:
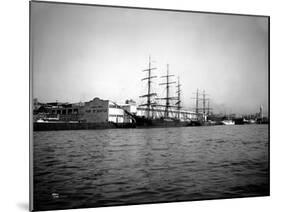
(101, 111)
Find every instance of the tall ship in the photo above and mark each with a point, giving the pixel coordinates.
(160, 111)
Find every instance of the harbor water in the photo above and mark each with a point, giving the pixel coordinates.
(91, 168)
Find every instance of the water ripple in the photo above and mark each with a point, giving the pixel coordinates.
(91, 168)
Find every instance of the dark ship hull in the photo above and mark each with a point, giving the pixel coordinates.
(141, 122)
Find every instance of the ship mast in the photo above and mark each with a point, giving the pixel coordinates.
(178, 103)
(167, 98)
(208, 109)
(204, 111)
(197, 101)
(149, 94)
(204, 104)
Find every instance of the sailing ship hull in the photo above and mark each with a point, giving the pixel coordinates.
(142, 122)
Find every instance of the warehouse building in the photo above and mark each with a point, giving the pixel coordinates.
(102, 111)
(57, 111)
(99, 111)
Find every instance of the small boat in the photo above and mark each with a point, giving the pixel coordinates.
(41, 121)
(228, 122)
(252, 121)
(249, 121)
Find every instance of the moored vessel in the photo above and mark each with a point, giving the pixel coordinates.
(156, 114)
(228, 122)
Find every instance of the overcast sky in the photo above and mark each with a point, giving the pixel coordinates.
(81, 52)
